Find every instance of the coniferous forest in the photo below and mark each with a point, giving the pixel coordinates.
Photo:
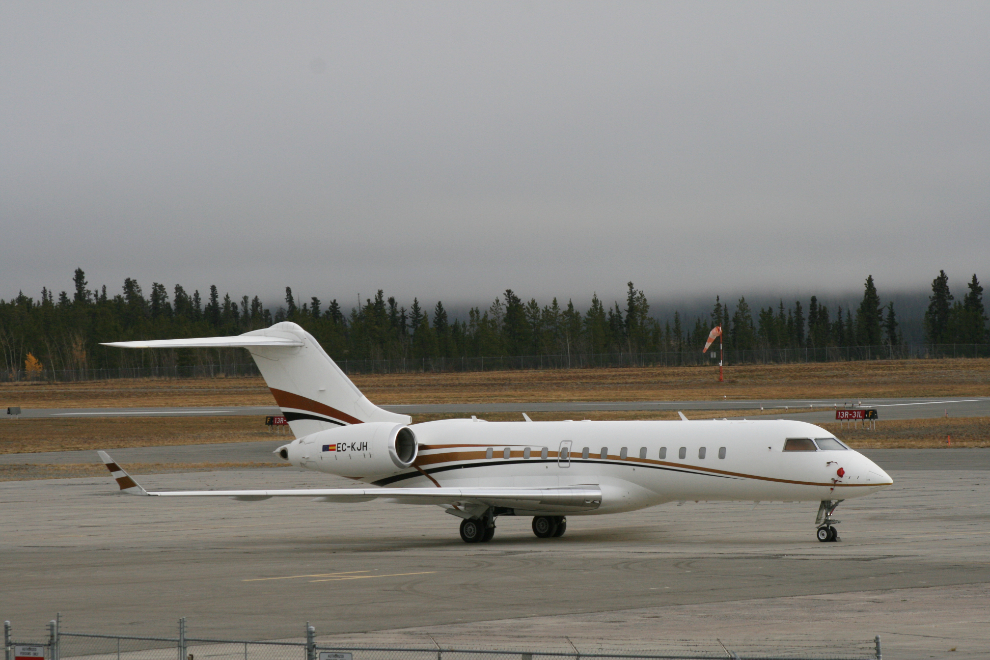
(61, 333)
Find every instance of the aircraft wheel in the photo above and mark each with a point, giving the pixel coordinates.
(561, 526)
(833, 534)
(544, 526)
(823, 534)
(489, 534)
(472, 531)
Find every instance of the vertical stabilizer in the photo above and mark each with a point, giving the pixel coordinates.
(312, 391)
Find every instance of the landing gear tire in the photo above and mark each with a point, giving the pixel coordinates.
(472, 531)
(824, 534)
(833, 534)
(489, 534)
(544, 526)
(561, 527)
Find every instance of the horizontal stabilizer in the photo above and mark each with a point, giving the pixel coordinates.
(241, 341)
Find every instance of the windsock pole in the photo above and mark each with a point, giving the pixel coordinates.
(720, 355)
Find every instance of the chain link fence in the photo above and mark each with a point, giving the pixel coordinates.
(684, 358)
(64, 645)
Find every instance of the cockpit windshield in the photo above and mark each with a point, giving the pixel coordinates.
(799, 444)
(829, 443)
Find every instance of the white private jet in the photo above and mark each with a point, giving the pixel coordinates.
(479, 470)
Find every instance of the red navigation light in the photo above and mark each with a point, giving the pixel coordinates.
(841, 472)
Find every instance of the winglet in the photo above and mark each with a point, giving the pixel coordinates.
(683, 418)
(526, 417)
(124, 480)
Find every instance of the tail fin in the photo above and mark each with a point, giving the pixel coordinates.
(312, 391)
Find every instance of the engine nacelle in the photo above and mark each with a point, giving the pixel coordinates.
(359, 450)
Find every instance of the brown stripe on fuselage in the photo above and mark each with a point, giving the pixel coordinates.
(289, 400)
(423, 472)
(451, 457)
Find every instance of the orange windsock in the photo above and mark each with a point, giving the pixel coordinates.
(716, 332)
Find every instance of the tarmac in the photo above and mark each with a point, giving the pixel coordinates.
(912, 566)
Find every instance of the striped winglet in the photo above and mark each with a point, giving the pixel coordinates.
(124, 480)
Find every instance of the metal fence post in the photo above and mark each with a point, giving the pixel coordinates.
(182, 638)
(310, 642)
(879, 653)
(51, 639)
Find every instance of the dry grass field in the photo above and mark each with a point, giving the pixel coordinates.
(959, 377)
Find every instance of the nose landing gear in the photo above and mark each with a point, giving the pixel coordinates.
(827, 533)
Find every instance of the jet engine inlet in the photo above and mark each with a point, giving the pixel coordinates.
(404, 448)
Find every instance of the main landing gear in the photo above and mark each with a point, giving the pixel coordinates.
(482, 529)
(477, 530)
(549, 526)
(827, 533)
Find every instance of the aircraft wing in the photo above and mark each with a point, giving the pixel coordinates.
(572, 497)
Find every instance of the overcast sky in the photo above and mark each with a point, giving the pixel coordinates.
(452, 150)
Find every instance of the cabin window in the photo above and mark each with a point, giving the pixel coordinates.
(564, 453)
(663, 453)
(585, 452)
(623, 453)
(701, 452)
(526, 452)
(488, 454)
(721, 452)
(642, 452)
(682, 453)
(604, 452)
(506, 453)
(799, 444)
(829, 443)
(544, 452)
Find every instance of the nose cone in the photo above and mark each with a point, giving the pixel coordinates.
(874, 475)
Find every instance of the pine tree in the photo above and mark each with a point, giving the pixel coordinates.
(415, 316)
(518, 336)
(890, 326)
(596, 326)
(290, 304)
(869, 317)
(939, 306)
(212, 311)
(975, 322)
(798, 324)
(82, 293)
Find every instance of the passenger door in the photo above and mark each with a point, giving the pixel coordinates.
(564, 454)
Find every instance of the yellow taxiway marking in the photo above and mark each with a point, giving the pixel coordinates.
(293, 577)
(361, 577)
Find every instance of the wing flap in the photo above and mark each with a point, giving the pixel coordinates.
(573, 497)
